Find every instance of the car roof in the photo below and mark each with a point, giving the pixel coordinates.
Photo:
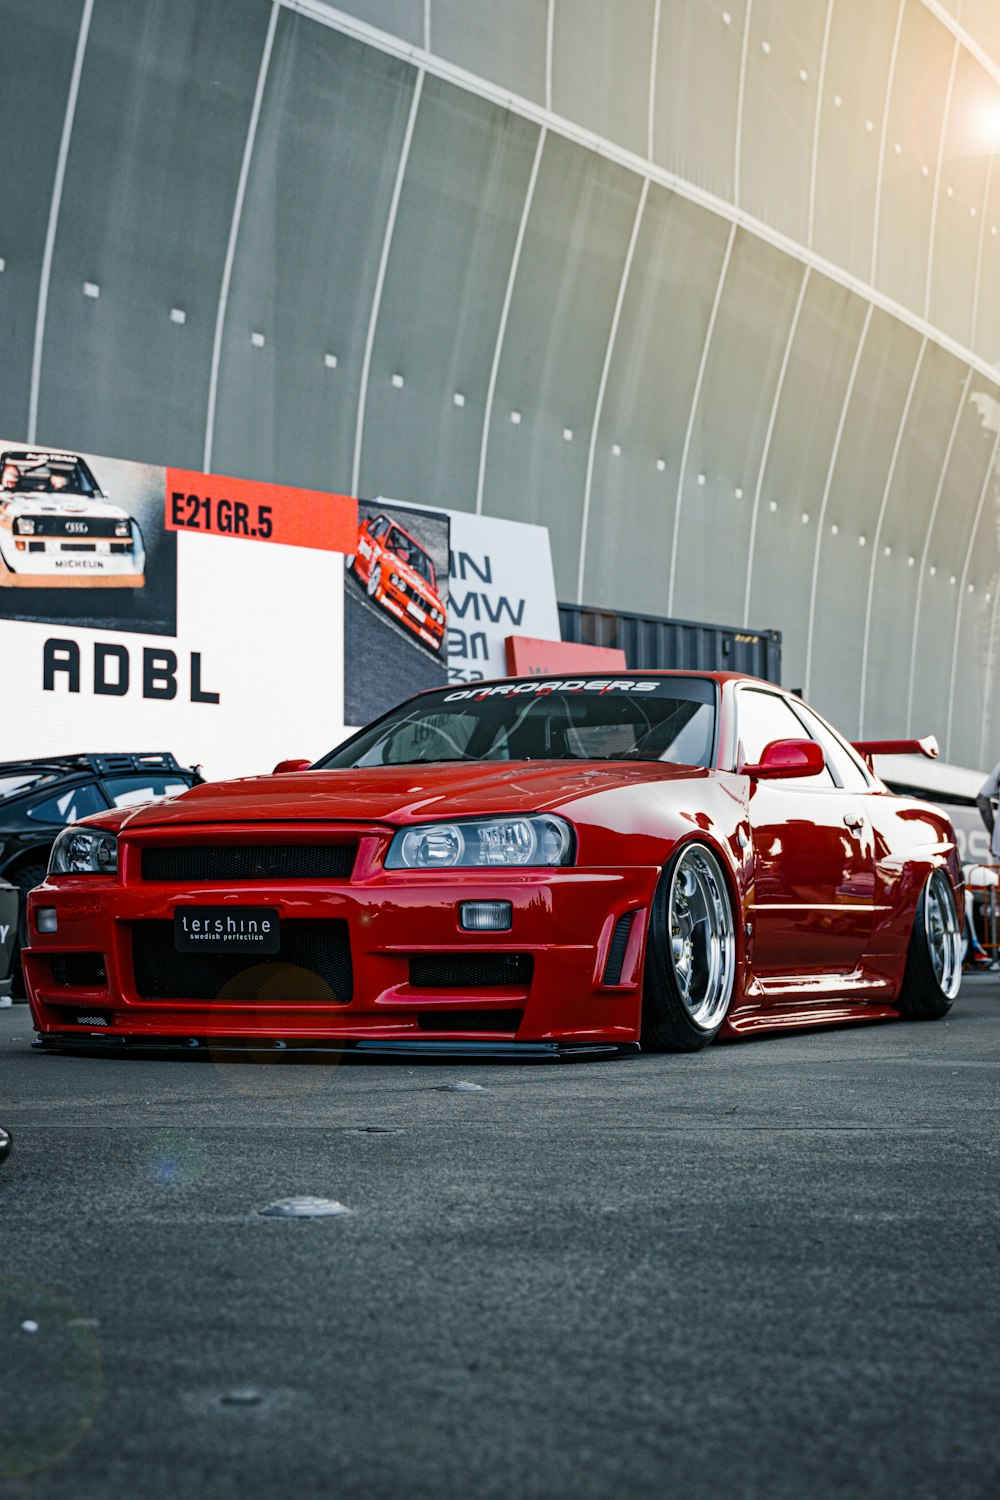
(615, 675)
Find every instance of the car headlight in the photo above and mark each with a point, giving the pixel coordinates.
(122, 528)
(84, 851)
(23, 526)
(536, 840)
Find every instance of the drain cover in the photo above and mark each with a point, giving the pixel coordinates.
(305, 1208)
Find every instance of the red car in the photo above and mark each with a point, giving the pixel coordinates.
(520, 867)
(399, 574)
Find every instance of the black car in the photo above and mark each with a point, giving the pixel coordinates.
(40, 797)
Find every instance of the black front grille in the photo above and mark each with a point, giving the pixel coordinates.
(80, 970)
(70, 526)
(470, 1020)
(474, 971)
(312, 967)
(210, 862)
(616, 950)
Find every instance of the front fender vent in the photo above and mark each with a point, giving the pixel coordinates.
(616, 950)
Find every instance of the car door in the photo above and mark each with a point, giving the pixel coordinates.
(813, 854)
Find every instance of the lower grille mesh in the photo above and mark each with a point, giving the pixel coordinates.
(313, 966)
(474, 971)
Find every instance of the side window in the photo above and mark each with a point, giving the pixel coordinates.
(69, 807)
(379, 525)
(763, 717)
(125, 790)
(841, 760)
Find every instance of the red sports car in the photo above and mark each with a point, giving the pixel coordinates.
(528, 866)
(399, 574)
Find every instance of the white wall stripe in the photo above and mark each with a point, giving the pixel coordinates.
(989, 683)
(599, 405)
(884, 136)
(937, 179)
(654, 57)
(821, 519)
(740, 93)
(984, 211)
(765, 452)
(528, 109)
(390, 226)
(820, 88)
(877, 541)
(696, 397)
(234, 230)
(53, 224)
(925, 552)
(505, 313)
(963, 581)
(550, 28)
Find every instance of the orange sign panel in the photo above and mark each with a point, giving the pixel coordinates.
(527, 657)
(217, 506)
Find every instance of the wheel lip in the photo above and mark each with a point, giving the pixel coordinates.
(944, 945)
(707, 1015)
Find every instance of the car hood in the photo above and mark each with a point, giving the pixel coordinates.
(39, 504)
(399, 794)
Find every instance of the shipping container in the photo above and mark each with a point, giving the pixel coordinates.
(653, 643)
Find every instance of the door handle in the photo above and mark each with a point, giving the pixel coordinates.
(854, 821)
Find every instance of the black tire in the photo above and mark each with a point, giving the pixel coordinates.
(374, 579)
(26, 878)
(934, 958)
(690, 968)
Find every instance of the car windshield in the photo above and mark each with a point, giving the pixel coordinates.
(397, 541)
(641, 718)
(45, 473)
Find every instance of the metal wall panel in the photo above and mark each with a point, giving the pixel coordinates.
(986, 335)
(897, 588)
(730, 423)
(403, 18)
(504, 43)
(963, 483)
(317, 202)
(458, 218)
(600, 57)
(793, 482)
(697, 91)
(857, 68)
(35, 43)
(161, 120)
(973, 611)
(972, 128)
(874, 414)
(913, 131)
(651, 379)
(779, 112)
(574, 249)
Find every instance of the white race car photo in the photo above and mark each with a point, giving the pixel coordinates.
(58, 529)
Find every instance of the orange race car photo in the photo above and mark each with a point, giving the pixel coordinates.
(398, 574)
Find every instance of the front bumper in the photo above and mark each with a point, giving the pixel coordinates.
(81, 979)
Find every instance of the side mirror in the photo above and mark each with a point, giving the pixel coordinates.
(788, 758)
(290, 765)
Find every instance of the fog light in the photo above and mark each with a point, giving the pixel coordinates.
(485, 916)
(46, 919)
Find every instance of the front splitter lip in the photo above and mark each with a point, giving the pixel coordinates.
(260, 1047)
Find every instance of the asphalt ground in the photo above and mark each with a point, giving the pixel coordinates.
(383, 662)
(767, 1270)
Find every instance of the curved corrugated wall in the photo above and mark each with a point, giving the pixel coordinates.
(711, 290)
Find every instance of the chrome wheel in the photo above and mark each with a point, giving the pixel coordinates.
(374, 579)
(944, 944)
(702, 942)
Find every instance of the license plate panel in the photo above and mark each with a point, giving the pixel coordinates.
(227, 929)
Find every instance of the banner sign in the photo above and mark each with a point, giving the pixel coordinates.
(232, 623)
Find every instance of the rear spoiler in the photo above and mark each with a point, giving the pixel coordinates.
(868, 748)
